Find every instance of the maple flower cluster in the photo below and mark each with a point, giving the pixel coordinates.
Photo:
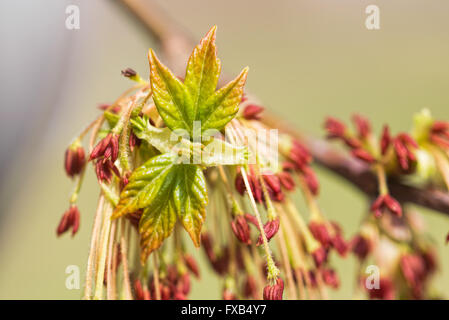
(158, 181)
(393, 237)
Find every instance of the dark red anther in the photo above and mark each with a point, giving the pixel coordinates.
(363, 155)
(386, 202)
(133, 141)
(74, 160)
(319, 256)
(414, 270)
(299, 155)
(241, 230)
(288, 166)
(106, 148)
(330, 278)
(270, 228)
(184, 284)
(228, 295)
(274, 292)
(207, 244)
(252, 219)
(165, 292)
(104, 168)
(335, 128)
(403, 145)
(311, 180)
(70, 219)
(179, 296)
(256, 188)
(128, 72)
(252, 112)
(362, 125)
(192, 265)
(385, 140)
(385, 290)
(115, 109)
(286, 180)
(240, 183)
(338, 242)
(250, 287)
(439, 134)
(139, 292)
(360, 246)
(254, 184)
(321, 233)
(340, 245)
(272, 181)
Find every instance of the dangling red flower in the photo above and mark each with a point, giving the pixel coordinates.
(74, 160)
(274, 292)
(240, 227)
(386, 202)
(106, 153)
(70, 219)
(270, 228)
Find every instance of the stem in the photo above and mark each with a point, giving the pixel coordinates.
(273, 271)
(92, 251)
(103, 251)
(110, 284)
(157, 287)
(287, 265)
(381, 177)
(124, 253)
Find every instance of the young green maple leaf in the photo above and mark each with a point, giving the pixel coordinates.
(180, 104)
(165, 189)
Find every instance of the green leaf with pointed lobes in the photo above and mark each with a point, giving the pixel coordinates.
(203, 71)
(171, 97)
(223, 105)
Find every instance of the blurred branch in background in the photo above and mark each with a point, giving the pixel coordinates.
(176, 45)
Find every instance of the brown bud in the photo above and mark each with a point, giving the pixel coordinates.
(128, 72)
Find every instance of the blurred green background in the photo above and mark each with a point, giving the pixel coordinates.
(308, 59)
